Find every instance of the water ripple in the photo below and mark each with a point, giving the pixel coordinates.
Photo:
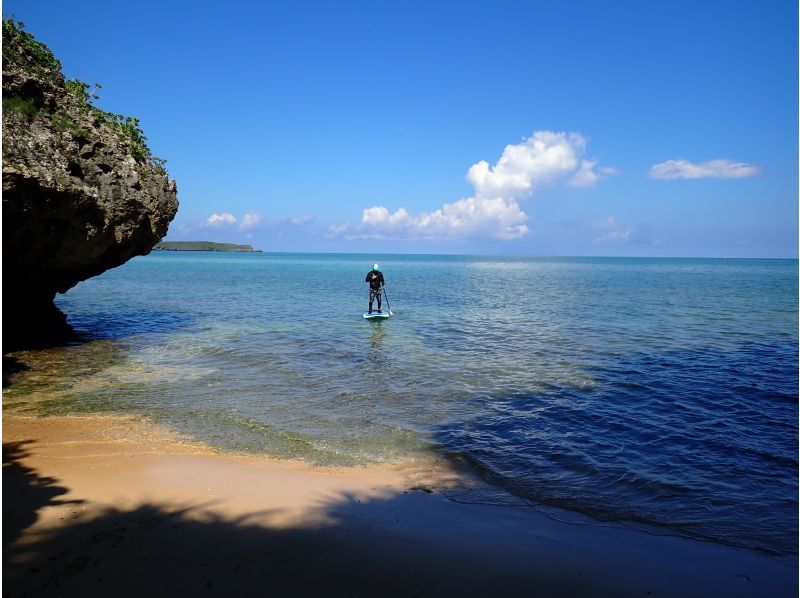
(657, 391)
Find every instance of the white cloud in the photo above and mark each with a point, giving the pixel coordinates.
(254, 221)
(586, 176)
(720, 169)
(639, 235)
(498, 219)
(301, 220)
(336, 230)
(493, 212)
(250, 221)
(538, 161)
(216, 220)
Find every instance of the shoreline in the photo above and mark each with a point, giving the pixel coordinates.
(95, 503)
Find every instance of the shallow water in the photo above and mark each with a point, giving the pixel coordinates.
(651, 390)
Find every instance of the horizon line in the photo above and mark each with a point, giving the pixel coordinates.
(496, 255)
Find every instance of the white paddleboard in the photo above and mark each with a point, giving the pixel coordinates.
(376, 316)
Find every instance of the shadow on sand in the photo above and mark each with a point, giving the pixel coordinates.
(157, 550)
(24, 493)
(406, 544)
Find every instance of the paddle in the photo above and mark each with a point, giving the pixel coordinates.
(385, 296)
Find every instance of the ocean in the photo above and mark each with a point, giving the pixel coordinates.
(654, 392)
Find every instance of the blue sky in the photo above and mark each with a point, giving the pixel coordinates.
(526, 128)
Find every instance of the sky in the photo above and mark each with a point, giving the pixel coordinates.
(623, 128)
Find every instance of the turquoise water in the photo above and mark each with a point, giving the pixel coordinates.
(651, 390)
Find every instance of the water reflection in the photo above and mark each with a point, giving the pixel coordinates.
(376, 353)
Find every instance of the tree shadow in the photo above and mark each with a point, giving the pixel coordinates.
(154, 550)
(25, 492)
(397, 544)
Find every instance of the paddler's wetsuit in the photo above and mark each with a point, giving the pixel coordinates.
(375, 280)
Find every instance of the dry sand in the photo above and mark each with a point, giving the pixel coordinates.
(117, 507)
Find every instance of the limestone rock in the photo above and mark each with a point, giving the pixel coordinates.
(80, 196)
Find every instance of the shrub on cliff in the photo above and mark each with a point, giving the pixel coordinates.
(21, 50)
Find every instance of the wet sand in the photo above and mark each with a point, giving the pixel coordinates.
(115, 506)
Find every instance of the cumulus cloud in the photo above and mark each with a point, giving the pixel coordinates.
(217, 220)
(586, 176)
(538, 161)
(719, 169)
(250, 221)
(493, 211)
(474, 217)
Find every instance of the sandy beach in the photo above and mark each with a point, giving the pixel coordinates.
(99, 506)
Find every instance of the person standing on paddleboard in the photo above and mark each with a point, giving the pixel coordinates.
(375, 281)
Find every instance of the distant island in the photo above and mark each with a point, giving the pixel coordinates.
(203, 246)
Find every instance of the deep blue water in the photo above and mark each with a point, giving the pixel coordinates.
(660, 391)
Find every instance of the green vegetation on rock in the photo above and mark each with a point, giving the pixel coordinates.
(21, 49)
(203, 246)
(20, 105)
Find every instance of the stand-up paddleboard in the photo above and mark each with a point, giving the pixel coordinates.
(376, 315)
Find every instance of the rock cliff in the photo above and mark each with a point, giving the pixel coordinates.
(81, 191)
